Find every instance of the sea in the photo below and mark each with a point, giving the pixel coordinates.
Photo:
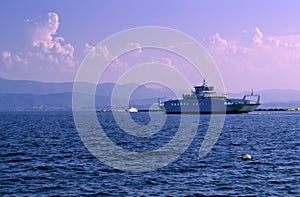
(42, 154)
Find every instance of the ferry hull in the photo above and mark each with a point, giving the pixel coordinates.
(168, 108)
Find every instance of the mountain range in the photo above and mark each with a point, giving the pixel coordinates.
(34, 95)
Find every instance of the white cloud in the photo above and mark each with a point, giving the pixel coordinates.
(136, 46)
(258, 36)
(88, 47)
(43, 35)
(106, 53)
(53, 47)
(253, 36)
(272, 41)
(7, 58)
(103, 50)
(11, 60)
(99, 51)
(216, 39)
(48, 56)
(257, 55)
(219, 43)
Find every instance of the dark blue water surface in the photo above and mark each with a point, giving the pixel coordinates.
(42, 155)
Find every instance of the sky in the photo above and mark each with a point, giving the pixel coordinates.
(255, 44)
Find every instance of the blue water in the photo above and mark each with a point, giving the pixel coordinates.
(42, 154)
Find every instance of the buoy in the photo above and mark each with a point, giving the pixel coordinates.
(246, 157)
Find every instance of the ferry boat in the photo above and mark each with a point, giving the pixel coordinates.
(204, 99)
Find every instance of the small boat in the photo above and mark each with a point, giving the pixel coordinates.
(132, 110)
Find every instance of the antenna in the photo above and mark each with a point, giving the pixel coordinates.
(204, 82)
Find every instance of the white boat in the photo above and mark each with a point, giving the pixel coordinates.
(132, 110)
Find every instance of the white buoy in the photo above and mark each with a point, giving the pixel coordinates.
(246, 157)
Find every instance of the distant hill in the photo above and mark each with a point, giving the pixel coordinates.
(24, 102)
(35, 95)
(33, 87)
(103, 89)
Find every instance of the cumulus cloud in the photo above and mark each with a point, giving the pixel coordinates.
(136, 46)
(88, 47)
(7, 58)
(54, 47)
(258, 36)
(47, 56)
(219, 43)
(250, 41)
(99, 51)
(257, 54)
(43, 35)
(10, 59)
(272, 41)
(103, 50)
(250, 37)
(47, 49)
(216, 39)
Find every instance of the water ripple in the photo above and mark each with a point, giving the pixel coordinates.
(42, 155)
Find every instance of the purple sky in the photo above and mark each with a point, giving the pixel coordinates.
(256, 44)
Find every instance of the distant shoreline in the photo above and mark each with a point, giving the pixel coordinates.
(278, 109)
(141, 110)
